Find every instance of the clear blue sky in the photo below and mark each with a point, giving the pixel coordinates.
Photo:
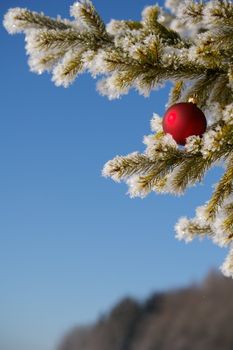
(71, 242)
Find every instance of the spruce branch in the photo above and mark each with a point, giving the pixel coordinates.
(191, 46)
(123, 167)
(194, 11)
(44, 40)
(119, 28)
(45, 61)
(221, 91)
(191, 171)
(227, 266)
(189, 229)
(219, 13)
(85, 12)
(204, 84)
(19, 20)
(68, 69)
(228, 220)
(222, 191)
(215, 47)
(151, 23)
(176, 93)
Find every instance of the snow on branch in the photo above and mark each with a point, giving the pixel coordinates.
(189, 44)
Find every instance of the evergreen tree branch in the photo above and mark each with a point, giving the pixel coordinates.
(151, 23)
(222, 191)
(68, 69)
(192, 12)
(228, 220)
(123, 167)
(176, 92)
(191, 171)
(18, 20)
(45, 60)
(201, 89)
(120, 28)
(188, 229)
(219, 13)
(227, 266)
(44, 40)
(221, 91)
(191, 47)
(85, 12)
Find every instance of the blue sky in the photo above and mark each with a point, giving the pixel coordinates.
(71, 242)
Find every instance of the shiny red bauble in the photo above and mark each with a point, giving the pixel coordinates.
(183, 120)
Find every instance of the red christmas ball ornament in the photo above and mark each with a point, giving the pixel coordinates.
(183, 120)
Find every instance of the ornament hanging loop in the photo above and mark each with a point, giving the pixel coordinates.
(193, 99)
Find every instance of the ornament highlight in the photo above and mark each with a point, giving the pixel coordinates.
(183, 120)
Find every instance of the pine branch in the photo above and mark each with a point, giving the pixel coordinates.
(215, 47)
(228, 221)
(44, 40)
(222, 191)
(18, 20)
(220, 13)
(45, 60)
(221, 91)
(227, 266)
(151, 23)
(192, 47)
(176, 92)
(201, 89)
(153, 179)
(123, 167)
(188, 229)
(85, 12)
(194, 11)
(191, 171)
(68, 69)
(118, 28)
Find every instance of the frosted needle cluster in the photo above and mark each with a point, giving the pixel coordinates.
(189, 43)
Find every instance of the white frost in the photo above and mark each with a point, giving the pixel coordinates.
(10, 22)
(182, 230)
(227, 266)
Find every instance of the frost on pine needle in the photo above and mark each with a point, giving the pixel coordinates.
(77, 7)
(172, 5)
(10, 21)
(188, 229)
(220, 236)
(189, 44)
(227, 266)
(193, 144)
(230, 77)
(41, 62)
(212, 141)
(190, 12)
(217, 13)
(136, 188)
(112, 87)
(85, 13)
(159, 146)
(214, 113)
(228, 114)
(156, 123)
(96, 62)
(67, 70)
(18, 20)
(182, 230)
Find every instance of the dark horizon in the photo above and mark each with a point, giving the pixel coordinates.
(197, 317)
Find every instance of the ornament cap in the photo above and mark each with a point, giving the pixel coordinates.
(192, 99)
